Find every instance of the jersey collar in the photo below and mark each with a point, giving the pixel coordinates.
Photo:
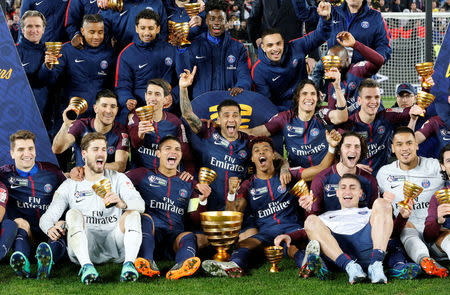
(33, 171)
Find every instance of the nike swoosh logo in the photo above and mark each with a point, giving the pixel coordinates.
(38, 3)
(77, 201)
(394, 186)
(15, 186)
(291, 135)
(258, 197)
(141, 66)
(336, 21)
(79, 60)
(23, 65)
(200, 57)
(154, 185)
(92, 1)
(274, 79)
(75, 233)
(122, 13)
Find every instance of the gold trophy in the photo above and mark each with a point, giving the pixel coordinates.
(145, 113)
(300, 189)
(274, 255)
(410, 191)
(101, 188)
(116, 5)
(330, 61)
(425, 70)
(184, 28)
(171, 28)
(80, 105)
(192, 9)
(336, 2)
(54, 48)
(424, 99)
(222, 229)
(443, 197)
(206, 175)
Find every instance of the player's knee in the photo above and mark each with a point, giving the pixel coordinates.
(23, 224)
(247, 234)
(74, 217)
(133, 221)
(382, 205)
(311, 223)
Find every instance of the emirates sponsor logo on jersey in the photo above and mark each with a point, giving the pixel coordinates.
(149, 151)
(273, 207)
(166, 205)
(228, 163)
(374, 148)
(98, 217)
(308, 149)
(32, 203)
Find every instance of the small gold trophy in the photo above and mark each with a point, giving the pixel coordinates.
(145, 113)
(116, 5)
(300, 189)
(184, 28)
(171, 28)
(80, 105)
(425, 70)
(54, 48)
(330, 61)
(336, 2)
(206, 175)
(101, 188)
(274, 255)
(410, 191)
(443, 197)
(192, 9)
(222, 229)
(424, 99)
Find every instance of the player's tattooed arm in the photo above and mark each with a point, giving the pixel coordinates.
(285, 174)
(186, 80)
(233, 203)
(237, 205)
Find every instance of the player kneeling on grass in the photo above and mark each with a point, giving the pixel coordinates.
(354, 237)
(96, 234)
(168, 197)
(274, 207)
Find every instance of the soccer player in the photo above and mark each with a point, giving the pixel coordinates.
(31, 52)
(146, 135)
(421, 171)
(72, 132)
(30, 187)
(354, 237)
(76, 9)
(304, 126)
(96, 234)
(8, 228)
(350, 151)
(377, 127)
(168, 201)
(437, 224)
(281, 66)
(93, 65)
(222, 63)
(147, 57)
(435, 126)
(274, 207)
(177, 13)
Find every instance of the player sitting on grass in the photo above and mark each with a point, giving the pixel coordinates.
(167, 197)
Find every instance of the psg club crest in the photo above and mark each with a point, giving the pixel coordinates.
(48, 188)
(426, 183)
(295, 62)
(111, 150)
(365, 25)
(281, 189)
(381, 129)
(168, 61)
(103, 64)
(352, 85)
(242, 154)
(183, 193)
(314, 132)
(231, 59)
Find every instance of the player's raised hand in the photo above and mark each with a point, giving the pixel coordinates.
(285, 176)
(235, 91)
(102, 4)
(389, 196)
(416, 111)
(307, 201)
(429, 80)
(113, 198)
(66, 120)
(405, 212)
(442, 210)
(77, 41)
(50, 59)
(187, 78)
(282, 238)
(205, 191)
(346, 39)
(324, 10)
(335, 75)
(145, 127)
(333, 138)
(196, 21)
(186, 176)
(131, 104)
(77, 173)
(233, 184)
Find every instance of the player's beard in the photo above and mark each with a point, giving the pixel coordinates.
(94, 168)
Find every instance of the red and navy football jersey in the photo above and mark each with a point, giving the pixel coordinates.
(30, 193)
(3, 195)
(435, 125)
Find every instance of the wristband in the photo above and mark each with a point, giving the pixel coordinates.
(231, 197)
(331, 149)
(341, 108)
(203, 203)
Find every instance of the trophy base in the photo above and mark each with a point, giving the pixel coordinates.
(71, 115)
(403, 204)
(274, 268)
(110, 205)
(222, 255)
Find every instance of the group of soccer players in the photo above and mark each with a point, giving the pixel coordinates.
(350, 219)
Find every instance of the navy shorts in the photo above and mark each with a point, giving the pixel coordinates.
(266, 235)
(164, 239)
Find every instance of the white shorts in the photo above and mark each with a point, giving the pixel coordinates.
(104, 246)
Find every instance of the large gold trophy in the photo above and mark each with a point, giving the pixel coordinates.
(80, 106)
(274, 255)
(330, 61)
(116, 5)
(410, 192)
(206, 175)
(145, 113)
(192, 9)
(425, 70)
(101, 188)
(222, 229)
(336, 2)
(424, 99)
(54, 48)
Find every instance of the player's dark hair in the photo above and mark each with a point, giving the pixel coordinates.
(362, 141)
(270, 31)
(161, 83)
(441, 160)
(86, 140)
(216, 4)
(368, 83)
(228, 103)
(166, 138)
(21, 134)
(32, 13)
(105, 93)
(92, 18)
(296, 94)
(260, 139)
(148, 14)
(403, 129)
(350, 176)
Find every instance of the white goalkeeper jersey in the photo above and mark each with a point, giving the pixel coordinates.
(346, 221)
(80, 195)
(426, 174)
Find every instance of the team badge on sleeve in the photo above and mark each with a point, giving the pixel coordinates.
(168, 61)
(2, 195)
(231, 59)
(125, 140)
(111, 150)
